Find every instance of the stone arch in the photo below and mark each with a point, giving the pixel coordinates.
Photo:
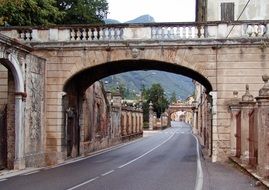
(83, 78)
(8, 58)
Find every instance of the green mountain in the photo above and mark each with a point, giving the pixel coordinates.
(135, 80)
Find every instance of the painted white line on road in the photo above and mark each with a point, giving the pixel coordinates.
(31, 172)
(199, 175)
(94, 154)
(111, 171)
(146, 152)
(84, 183)
(3, 180)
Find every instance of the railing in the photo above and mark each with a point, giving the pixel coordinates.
(155, 31)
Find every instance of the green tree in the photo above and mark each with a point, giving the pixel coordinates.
(83, 11)
(155, 94)
(173, 98)
(29, 12)
(48, 12)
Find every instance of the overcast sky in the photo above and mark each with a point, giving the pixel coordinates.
(160, 10)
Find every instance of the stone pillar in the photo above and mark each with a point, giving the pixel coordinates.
(215, 144)
(234, 110)
(247, 105)
(151, 119)
(263, 128)
(19, 162)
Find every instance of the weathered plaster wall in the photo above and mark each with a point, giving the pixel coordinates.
(256, 10)
(95, 130)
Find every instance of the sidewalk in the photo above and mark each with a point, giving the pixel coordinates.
(251, 172)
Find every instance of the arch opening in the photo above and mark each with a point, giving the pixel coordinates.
(77, 86)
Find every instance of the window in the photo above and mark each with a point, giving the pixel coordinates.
(227, 11)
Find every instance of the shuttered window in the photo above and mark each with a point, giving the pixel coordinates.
(227, 11)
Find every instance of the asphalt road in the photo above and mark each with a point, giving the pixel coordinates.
(167, 160)
(164, 161)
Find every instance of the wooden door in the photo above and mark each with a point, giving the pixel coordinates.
(3, 139)
(238, 135)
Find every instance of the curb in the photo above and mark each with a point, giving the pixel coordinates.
(251, 172)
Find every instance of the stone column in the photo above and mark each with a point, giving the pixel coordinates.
(247, 105)
(19, 162)
(151, 119)
(215, 146)
(263, 128)
(234, 108)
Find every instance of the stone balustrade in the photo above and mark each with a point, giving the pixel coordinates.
(151, 31)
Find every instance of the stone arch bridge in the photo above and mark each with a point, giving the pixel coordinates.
(49, 70)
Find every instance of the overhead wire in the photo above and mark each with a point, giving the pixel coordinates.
(243, 10)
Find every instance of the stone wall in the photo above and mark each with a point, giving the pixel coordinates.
(249, 129)
(34, 119)
(96, 127)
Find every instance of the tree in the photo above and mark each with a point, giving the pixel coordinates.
(48, 12)
(29, 12)
(83, 11)
(173, 98)
(155, 95)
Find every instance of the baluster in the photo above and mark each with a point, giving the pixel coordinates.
(112, 33)
(172, 33)
(192, 32)
(255, 30)
(71, 34)
(261, 30)
(117, 34)
(83, 34)
(178, 32)
(165, 32)
(196, 32)
(106, 33)
(121, 33)
(27, 35)
(184, 32)
(101, 34)
(159, 33)
(153, 32)
(249, 30)
(95, 34)
(202, 30)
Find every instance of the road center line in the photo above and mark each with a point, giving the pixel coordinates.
(146, 152)
(84, 183)
(199, 175)
(108, 173)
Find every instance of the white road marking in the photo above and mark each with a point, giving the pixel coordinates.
(199, 175)
(111, 171)
(94, 154)
(146, 152)
(84, 183)
(2, 180)
(31, 172)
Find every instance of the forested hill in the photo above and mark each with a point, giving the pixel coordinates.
(135, 80)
